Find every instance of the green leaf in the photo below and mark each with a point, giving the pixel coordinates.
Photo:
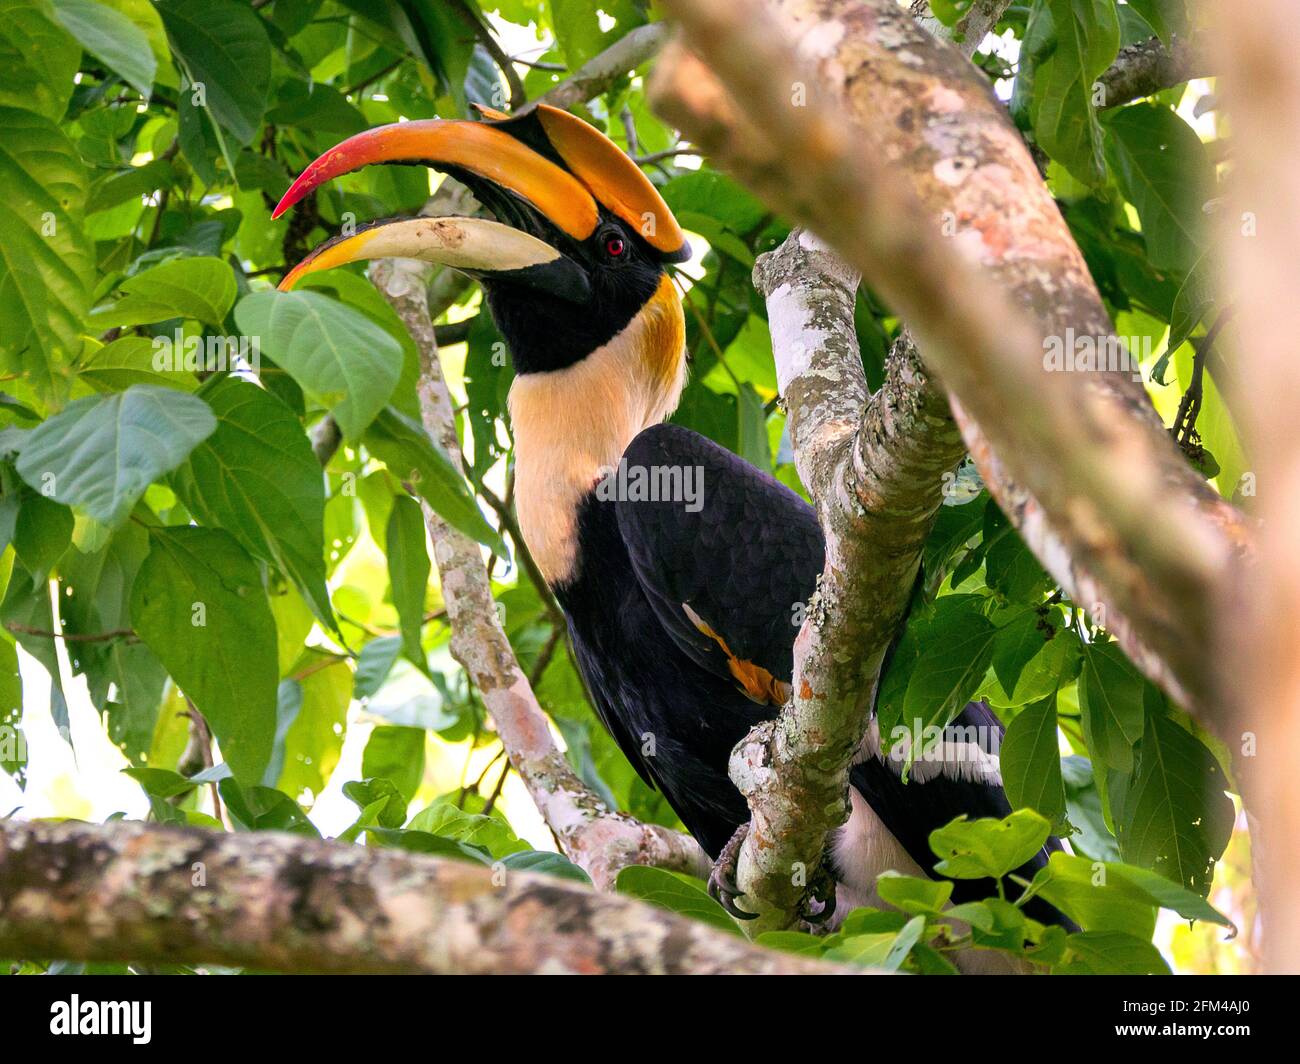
(131, 360)
(1031, 761)
(198, 604)
(490, 832)
(160, 782)
(1166, 17)
(45, 259)
(1176, 818)
(408, 572)
(949, 11)
(1117, 897)
(1110, 700)
(1164, 171)
(413, 456)
(38, 60)
(543, 863)
(396, 754)
(1196, 297)
(913, 894)
(420, 841)
(677, 893)
(1111, 953)
(380, 801)
(100, 453)
(257, 477)
(1067, 45)
(707, 192)
(752, 436)
(950, 669)
(223, 47)
(42, 533)
(1032, 657)
(311, 718)
(903, 943)
(577, 25)
(973, 849)
(201, 288)
(264, 809)
(111, 38)
(336, 354)
(374, 664)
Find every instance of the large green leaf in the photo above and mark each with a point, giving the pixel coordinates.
(1110, 697)
(491, 832)
(577, 25)
(951, 667)
(201, 288)
(411, 453)
(258, 478)
(408, 571)
(395, 753)
(1176, 818)
(1166, 17)
(100, 453)
(45, 259)
(973, 849)
(132, 360)
(1067, 45)
(112, 38)
(198, 603)
(37, 60)
(336, 354)
(1164, 171)
(1031, 761)
(311, 718)
(678, 893)
(224, 48)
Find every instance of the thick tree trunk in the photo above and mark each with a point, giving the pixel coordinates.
(270, 901)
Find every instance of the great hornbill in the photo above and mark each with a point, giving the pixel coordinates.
(680, 609)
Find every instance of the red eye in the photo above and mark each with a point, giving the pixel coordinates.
(614, 246)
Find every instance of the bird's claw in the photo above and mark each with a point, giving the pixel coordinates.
(722, 877)
(821, 891)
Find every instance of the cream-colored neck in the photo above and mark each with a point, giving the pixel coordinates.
(571, 424)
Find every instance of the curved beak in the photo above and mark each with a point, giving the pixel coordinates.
(474, 246)
(563, 169)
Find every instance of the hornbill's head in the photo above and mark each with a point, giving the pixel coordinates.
(576, 254)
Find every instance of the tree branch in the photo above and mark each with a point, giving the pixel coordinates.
(926, 188)
(600, 72)
(598, 839)
(279, 902)
(1259, 614)
(1147, 68)
(874, 466)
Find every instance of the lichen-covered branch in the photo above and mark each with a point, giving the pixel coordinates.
(894, 150)
(598, 839)
(1259, 616)
(1149, 67)
(874, 466)
(600, 72)
(970, 29)
(278, 902)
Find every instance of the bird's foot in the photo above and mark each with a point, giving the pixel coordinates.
(722, 878)
(818, 903)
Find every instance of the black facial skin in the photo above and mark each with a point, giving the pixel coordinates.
(544, 333)
(547, 333)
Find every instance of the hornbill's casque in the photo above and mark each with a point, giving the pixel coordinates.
(680, 610)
